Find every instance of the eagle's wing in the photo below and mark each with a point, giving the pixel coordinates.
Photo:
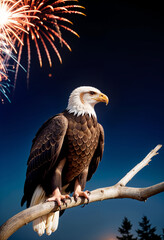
(97, 155)
(44, 153)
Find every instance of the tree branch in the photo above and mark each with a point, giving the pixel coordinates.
(139, 166)
(117, 191)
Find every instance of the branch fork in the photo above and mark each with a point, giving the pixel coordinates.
(119, 190)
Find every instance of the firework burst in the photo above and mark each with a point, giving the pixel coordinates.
(14, 17)
(13, 20)
(46, 26)
(4, 81)
(5, 68)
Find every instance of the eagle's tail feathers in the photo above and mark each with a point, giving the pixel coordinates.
(49, 222)
(52, 222)
(39, 225)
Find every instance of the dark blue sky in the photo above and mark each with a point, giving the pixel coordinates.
(121, 52)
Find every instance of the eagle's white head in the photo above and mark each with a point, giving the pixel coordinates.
(83, 99)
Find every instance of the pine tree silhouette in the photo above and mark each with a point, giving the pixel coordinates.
(146, 232)
(125, 229)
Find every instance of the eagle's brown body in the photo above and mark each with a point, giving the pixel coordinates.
(82, 136)
(77, 141)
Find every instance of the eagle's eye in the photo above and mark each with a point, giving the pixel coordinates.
(92, 93)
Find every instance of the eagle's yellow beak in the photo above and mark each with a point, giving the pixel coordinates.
(102, 98)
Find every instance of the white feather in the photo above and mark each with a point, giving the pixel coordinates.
(49, 222)
(52, 222)
(55, 221)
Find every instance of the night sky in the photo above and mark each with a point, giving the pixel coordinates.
(120, 52)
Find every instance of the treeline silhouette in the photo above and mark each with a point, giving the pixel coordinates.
(144, 232)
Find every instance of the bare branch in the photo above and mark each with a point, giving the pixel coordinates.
(117, 191)
(139, 166)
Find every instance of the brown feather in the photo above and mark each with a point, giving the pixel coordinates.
(44, 153)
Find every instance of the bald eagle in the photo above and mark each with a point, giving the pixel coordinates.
(65, 153)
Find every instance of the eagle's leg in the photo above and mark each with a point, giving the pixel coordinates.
(56, 185)
(80, 185)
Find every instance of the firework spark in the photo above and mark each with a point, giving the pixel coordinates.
(46, 27)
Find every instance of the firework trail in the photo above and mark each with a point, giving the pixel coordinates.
(45, 27)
